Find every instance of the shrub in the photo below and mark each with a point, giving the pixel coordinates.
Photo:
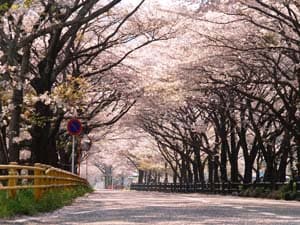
(290, 195)
(24, 203)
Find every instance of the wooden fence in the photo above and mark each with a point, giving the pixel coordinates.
(216, 188)
(40, 178)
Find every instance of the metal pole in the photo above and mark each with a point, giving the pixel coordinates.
(86, 167)
(79, 155)
(73, 152)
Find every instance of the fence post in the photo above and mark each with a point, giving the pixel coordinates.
(298, 186)
(55, 181)
(12, 182)
(291, 185)
(37, 181)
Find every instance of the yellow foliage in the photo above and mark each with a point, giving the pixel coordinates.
(27, 3)
(270, 39)
(150, 165)
(5, 96)
(15, 6)
(80, 37)
(72, 91)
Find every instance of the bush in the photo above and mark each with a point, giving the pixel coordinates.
(282, 193)
(254, 192)
(290, 195)
(261, 192)
(246, 192)
(24, 203)
(277, 194)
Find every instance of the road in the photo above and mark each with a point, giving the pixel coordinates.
(149, 208)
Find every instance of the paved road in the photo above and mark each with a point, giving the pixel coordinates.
(149, 208)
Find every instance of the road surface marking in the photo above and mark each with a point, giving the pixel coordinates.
(268, 214)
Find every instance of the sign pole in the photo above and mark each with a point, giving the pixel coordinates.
(86, 168)
(73, 152)
(74, 128)
(79, 155)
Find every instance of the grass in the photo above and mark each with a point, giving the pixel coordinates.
(282, 193)
(24, 203)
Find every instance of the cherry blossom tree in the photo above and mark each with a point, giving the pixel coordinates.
(51, 41)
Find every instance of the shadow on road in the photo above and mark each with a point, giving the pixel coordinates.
(124, 207)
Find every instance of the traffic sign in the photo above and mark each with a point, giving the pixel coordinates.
(74, 127)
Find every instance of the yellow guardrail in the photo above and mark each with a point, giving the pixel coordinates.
(40, 178)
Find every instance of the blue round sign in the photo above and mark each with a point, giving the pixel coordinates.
(74, 127)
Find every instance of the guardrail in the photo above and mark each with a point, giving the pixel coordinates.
(216, 188)
(40, 178)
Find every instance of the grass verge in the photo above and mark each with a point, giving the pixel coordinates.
(282, 193)
(24, 203)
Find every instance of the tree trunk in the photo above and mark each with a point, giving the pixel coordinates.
(201, 172)
(223, 165)
(297, 138)
(216, 169)
(3, 150)
(166, 180)
(249, 160)
(247, 172)
(17, 100)
(195, 172)
(3, 147)
(234, 170)
(183, 170)
(63, 159)
(149, 175)
(197, 165)
(175, 174)
(224, 150)
(141, 176)
(43, 142)
(269, 173)
(210, 169)
(145, 177)
(14, 125)
(286, 148)
(190, 173)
